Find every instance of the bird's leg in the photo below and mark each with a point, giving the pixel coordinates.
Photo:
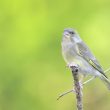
(69, 65)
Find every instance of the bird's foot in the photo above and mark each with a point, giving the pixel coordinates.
(72, 64)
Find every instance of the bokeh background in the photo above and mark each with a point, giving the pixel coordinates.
(32, 70)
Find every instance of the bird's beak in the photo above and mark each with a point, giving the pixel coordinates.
(66, 34)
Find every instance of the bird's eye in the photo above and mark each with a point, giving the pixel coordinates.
(71, 32)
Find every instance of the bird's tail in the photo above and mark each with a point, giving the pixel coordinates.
(105, 80)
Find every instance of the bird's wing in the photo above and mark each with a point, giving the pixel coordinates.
(84, 52)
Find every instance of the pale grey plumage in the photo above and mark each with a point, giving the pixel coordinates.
(75, 50)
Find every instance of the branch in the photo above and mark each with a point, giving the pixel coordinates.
(63, 94)
(74, 69)
(78, 88)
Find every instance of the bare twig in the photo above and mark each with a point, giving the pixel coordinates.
(107, 70)
(72, 90)
(63, 94)
(78, 88)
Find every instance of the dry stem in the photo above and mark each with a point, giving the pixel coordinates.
(78, 88)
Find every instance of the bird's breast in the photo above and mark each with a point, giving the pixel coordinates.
(69, 52)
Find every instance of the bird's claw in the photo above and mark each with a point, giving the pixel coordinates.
(72, 64)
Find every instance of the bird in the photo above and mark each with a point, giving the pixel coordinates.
(75, 51)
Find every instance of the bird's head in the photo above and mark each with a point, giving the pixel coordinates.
(71, 35)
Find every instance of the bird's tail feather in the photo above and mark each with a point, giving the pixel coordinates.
(105, 80)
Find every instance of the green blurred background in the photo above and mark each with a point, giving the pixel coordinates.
(32, 70)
